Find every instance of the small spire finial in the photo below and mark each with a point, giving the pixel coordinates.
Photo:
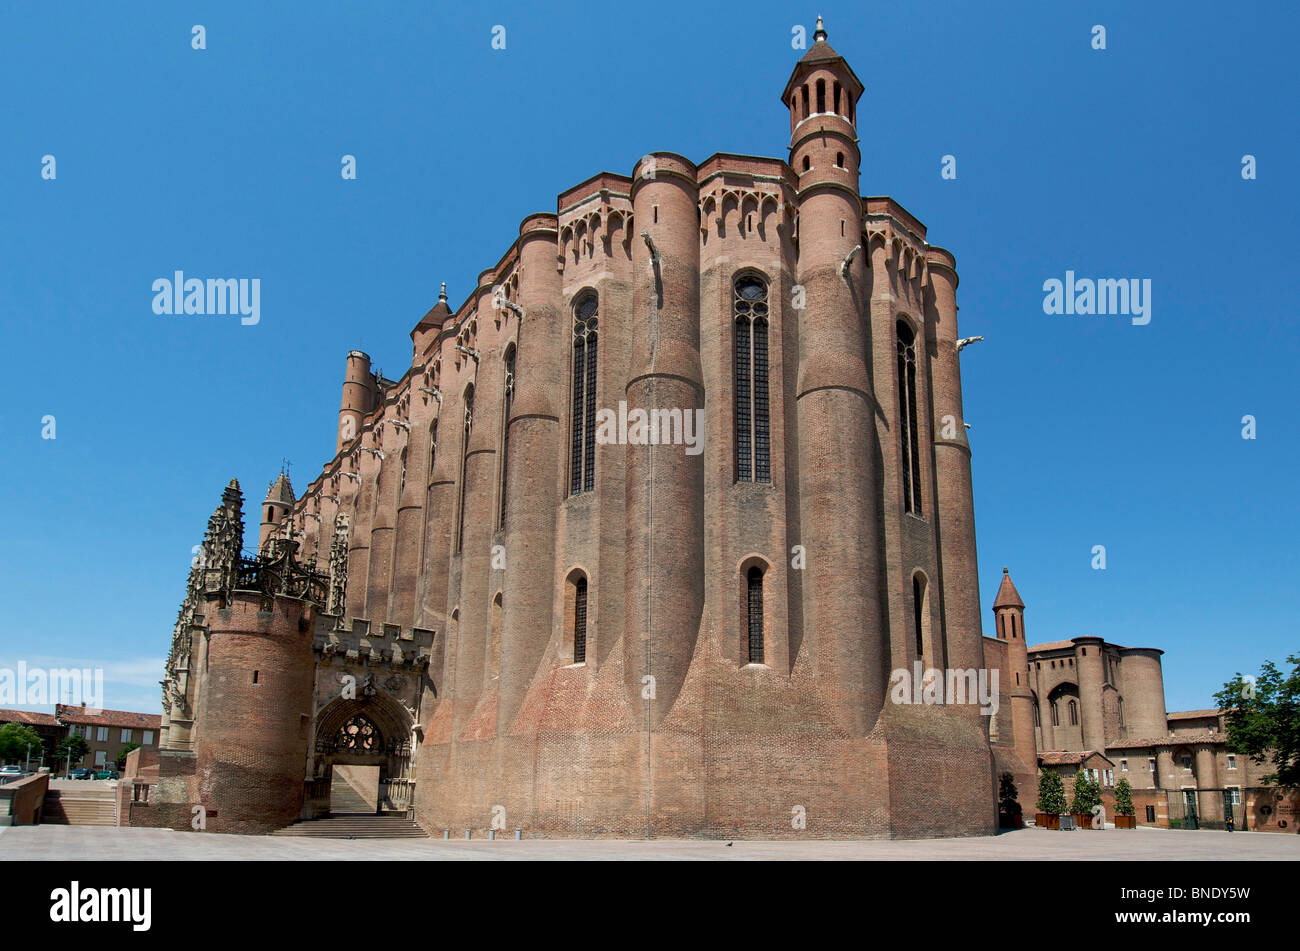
(1005, 572)
(442, 294)
(820, 32)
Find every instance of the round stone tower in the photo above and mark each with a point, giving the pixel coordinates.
(840, 527)
(279, 500)
(255, 705)
(1009, 624)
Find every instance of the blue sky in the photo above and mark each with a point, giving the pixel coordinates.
(1086, 430)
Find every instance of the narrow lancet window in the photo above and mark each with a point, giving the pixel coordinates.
(908, 434)
(753, 420)
(582, 450)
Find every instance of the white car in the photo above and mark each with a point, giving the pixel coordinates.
(10, 773)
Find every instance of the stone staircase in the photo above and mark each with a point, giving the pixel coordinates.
(357, 827)
(346, 799)
(93, 806)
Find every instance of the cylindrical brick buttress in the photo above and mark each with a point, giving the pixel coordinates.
(665, 485)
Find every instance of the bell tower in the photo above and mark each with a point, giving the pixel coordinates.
(843, 618)
(822, 96)
(1009, 621)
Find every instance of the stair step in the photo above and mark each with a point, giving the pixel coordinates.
(356, 827)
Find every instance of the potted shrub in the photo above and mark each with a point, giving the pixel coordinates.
(1087, 795)
(1009, 812)
(1051, 800)
(1124, 817)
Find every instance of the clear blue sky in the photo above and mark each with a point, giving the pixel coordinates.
(225, 162)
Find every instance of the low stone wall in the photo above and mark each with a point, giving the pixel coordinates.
(21, 801)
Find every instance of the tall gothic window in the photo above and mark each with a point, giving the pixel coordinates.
(753, 423)
(401, 486)
(918, 613)
(433, 446)
(464, 464)
(908, 433)
(582, 454)
(505, 431)
(580, 622)
(1056, 716)
(754, 614)
(1074, 713)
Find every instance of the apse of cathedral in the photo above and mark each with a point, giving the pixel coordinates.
(635, 544)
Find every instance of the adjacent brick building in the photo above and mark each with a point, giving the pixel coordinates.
(45, 726)
(1089, 702)
(106, 731)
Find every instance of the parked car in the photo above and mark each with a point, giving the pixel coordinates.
(82, 772)
(9, 773)
(106, 774)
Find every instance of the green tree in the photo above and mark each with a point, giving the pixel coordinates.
(121, 756)
(1051, 793)
(1009, 810)
(1123, 797)
(1086, 794)
(73, 746)
(15, 739)
(1262, 715)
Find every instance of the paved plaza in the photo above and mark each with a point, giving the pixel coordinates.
(58, 842)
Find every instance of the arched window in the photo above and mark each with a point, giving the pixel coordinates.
(464, 464)
(1056, 716)
(494, 647)
(908, 433)
(1074, 713)
(753, 422)
(1037, 716)
(805, 101)
(401, 486)
(835, 97)
(754, 614)
(1121, 711)
(1013, 625)
(821, 95)
(433, 446)
(807, 163)
(507, 399)
(918, 613)
(582, 459)
(580, 621)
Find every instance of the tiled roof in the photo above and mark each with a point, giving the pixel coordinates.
(1008, 596)
(1068, 757)
(1182, 739)
(1192, 714)
(1051, 646)
(29, 717)
(93, 717)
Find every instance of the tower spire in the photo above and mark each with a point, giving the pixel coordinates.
(819, 34)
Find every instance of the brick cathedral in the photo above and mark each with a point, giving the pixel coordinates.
(524, 625)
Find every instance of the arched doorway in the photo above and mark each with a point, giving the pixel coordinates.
(362, 755)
